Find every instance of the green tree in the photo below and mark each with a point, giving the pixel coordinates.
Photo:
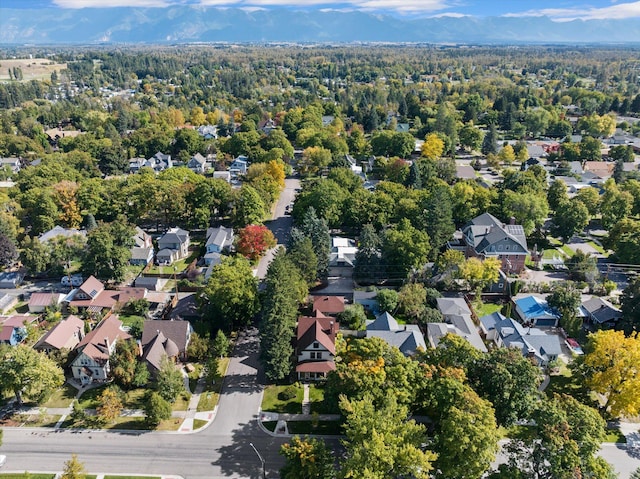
(25, 371)
(566, 437)
(381, 443)
(479, 274)
(284, 290)
(301, 253)
(306, 459)
(387, 299)
(141, 375)
(73, 469)
(566, 299)
(557, 194)
(230, 298)
(490, 141)
(156, 408)
(412, 300)
(571, 218)
(314, 160)
(109, 250)
(529, 209)
(630, 306)
(123, 363)
(583, 267)
(367, 262)
(8, 251)
(353, 316)
(35, 255)
(249, 207)
(509, 381)
(471, 137)
(590, 197)
(220, 344)
(404, 248)
(169, 382)
(317, 230)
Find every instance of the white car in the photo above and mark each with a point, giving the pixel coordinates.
(3, 459)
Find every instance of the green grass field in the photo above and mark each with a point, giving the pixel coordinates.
(271, 402)
(62, 397)
(211, 393)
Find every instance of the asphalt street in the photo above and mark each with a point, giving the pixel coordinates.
(222, 450)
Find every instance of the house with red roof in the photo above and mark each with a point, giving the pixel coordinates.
(64, 335)
(328, 305)
(316, 347)
(38, 302)
(95, 349)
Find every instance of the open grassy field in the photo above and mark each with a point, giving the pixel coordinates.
(271, 401)
(32, 68)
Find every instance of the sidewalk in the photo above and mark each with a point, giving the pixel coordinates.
(187, 426)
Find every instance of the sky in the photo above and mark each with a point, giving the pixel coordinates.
(559, 10)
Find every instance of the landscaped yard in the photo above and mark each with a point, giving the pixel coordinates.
(272, 402)
(211, 392)
(171, 424)
(178, 266)
(36, 420)
(62, 397)
(133, 399)
(182, 402)
(488, 308)
(566, 383)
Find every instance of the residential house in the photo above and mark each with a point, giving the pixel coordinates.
(328, 305)
(185, 309)
(407, 338)
(219, 240)
(534, 310)
(13, 329)
(14, 164)
(67, 334)
(136, 164)
(159, 162)
(94, 350)
(342, 257)
(402, 128)
(267, 126)
(222, 175)
(151, 283)
(177, 332)
(239, 166)
(458, 320)
(197, 163)
(142, 250)
(602, 170)
(600, 312)
(533, 343)
(315, 347)
(208, 132)
(54, 135)
(11, 279)
(173, 246)
(59, 231)
(327, 120)
(38, 302)
(7, 302)
(487, 237)
(368, 300)
(354, 166)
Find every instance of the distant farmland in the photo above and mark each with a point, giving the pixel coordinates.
(32, 68)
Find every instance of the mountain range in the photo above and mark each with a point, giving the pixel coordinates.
(186, 24)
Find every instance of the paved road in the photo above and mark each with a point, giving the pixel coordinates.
(221, 451)
(281, 224)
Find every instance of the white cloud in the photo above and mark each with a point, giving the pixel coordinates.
(403, 6)
(112, 3)
(614, 12)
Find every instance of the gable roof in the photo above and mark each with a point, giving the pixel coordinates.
(45, 299)
(601, 310)
(486, 230)
(174, 235)
(141, 238)
(453, 306)
(176, 331)
(322, 330)
(92, 286)
(219, 236)
(65, 334)
(383, 322)
(198, 158)
(97, 342)
(407, 340)
(328, 304)
(60, 231)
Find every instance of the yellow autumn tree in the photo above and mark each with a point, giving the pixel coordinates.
(479, 274)
(110, 405)
(612, 369)
(433, 146)
(197, 116)
(507, 155)
(65, 194)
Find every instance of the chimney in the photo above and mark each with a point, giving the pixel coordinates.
(512, 220)
(331, 327)
(106, 342)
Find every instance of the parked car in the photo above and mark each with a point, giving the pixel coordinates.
(72, 281)
(289, 209)
(3, 459)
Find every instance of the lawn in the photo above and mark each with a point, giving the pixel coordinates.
(137, 423)
(171, 424)
(271, 401)
(333, 428)
(488, 308)
(551, 253)
(198, 423)
(597, 247)
(178, 266)
(566, 383)
(614, 435)
(194, 375)
(26, 475)
(316, 396)
(568, 251)
(37, 420)
(182, 402)
(211, 392)
(133, 399)
(62, 397)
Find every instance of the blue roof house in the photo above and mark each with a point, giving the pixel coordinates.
(535, 311)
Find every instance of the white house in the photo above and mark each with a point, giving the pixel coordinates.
(218, 240)
(316, 347)
(173, 246)
(95, 349)
(239, 166)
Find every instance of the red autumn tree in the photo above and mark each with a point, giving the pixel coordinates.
(254, 240)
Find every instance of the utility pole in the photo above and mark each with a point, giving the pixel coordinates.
(264, 472)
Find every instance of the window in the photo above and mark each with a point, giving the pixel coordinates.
(500, 285)
(316, 345)
(318, 355)
(507, 247)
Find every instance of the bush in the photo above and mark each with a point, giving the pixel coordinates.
(156, 409)
(288, 393)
